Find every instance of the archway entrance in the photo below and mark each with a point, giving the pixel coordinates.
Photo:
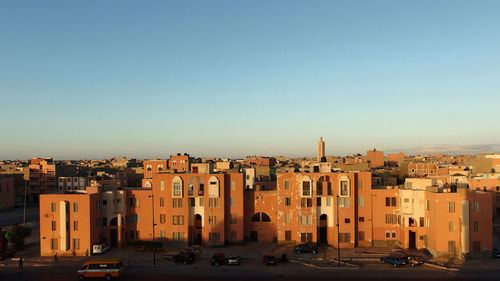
(412, 241)
(322, 229)
(197, 225)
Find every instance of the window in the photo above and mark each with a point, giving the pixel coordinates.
(177, 189)
(212, 219)
(104, 221)
(328, 201)
(306, 188)
(176, 202)
(265, 217)
(287, 218)
(233, 218)
(162, 233)
(190, 190)
(288, 235)
(476, 226)
(105, 202)
(162, 185)
(393, 201)
(451, 246)
(345, 237)
(201, 189)
(53, 207)
(387, 201)
(476, 207)
(422, 222)
(344, 188)
(178, 236)
(319, 188)
(428, 205)
(360, 186)
(344, 202)
(233, 235)
(76, 243)
(256, 218)
(361, 201)
(200, 202)
(233, 202)
(192, 202)
(451, 207)
(53, 243)
(213, 187)
(162, 201)
(178, 220)
(451, 226)
(233, 185)
(306, 237)
(387, 234)
(288, 201)
(318, 201)
(53, 224)
(305, 202)
(287, 184)
(306, 220)
(213, 202)
(213, 237)
(347, 220)
(75, 225)
(361, 219)
(162, 218)
(391, 218)
(361, 236)
(75, 207)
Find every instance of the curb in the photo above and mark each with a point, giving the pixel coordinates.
(442, 267)
(325, 268)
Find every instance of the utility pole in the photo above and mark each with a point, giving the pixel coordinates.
(338, 231)
(24, 212)
(154, 241)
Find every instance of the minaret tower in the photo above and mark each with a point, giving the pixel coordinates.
(321, 149)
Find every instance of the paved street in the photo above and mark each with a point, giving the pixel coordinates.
(11, 217)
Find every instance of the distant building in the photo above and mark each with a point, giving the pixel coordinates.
(6, 193)
(42, 177)
(321, 150)
(375, 158)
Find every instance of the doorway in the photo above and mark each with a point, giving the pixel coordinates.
(114, 238)
(254, 236)
(412, 242)
(322, 230)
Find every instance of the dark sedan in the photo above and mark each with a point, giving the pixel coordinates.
(306, 248)
(184, 257)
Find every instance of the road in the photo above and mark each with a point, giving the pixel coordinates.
(288, 271)
(14, 216)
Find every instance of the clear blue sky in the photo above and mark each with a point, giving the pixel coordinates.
(95, 79)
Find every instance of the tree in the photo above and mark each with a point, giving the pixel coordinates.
(19, 233)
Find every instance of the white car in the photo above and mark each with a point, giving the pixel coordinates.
(99, 248)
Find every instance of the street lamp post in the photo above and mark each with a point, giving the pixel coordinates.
(24, 211)
(154, 241)
(338, 231)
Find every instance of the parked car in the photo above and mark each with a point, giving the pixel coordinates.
(306, 248)
(495, 253)
(413, 261)
(218, 259)
(233, 260)
(99, 248)
(184, 257)
(269, 259)
(396, 261)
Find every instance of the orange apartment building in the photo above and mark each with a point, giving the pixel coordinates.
(215, 209)
(42, 177)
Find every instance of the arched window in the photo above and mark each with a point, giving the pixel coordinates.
(265, 217)
(256, 218)
(148, 168)
(147, 184)
(261, 217)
